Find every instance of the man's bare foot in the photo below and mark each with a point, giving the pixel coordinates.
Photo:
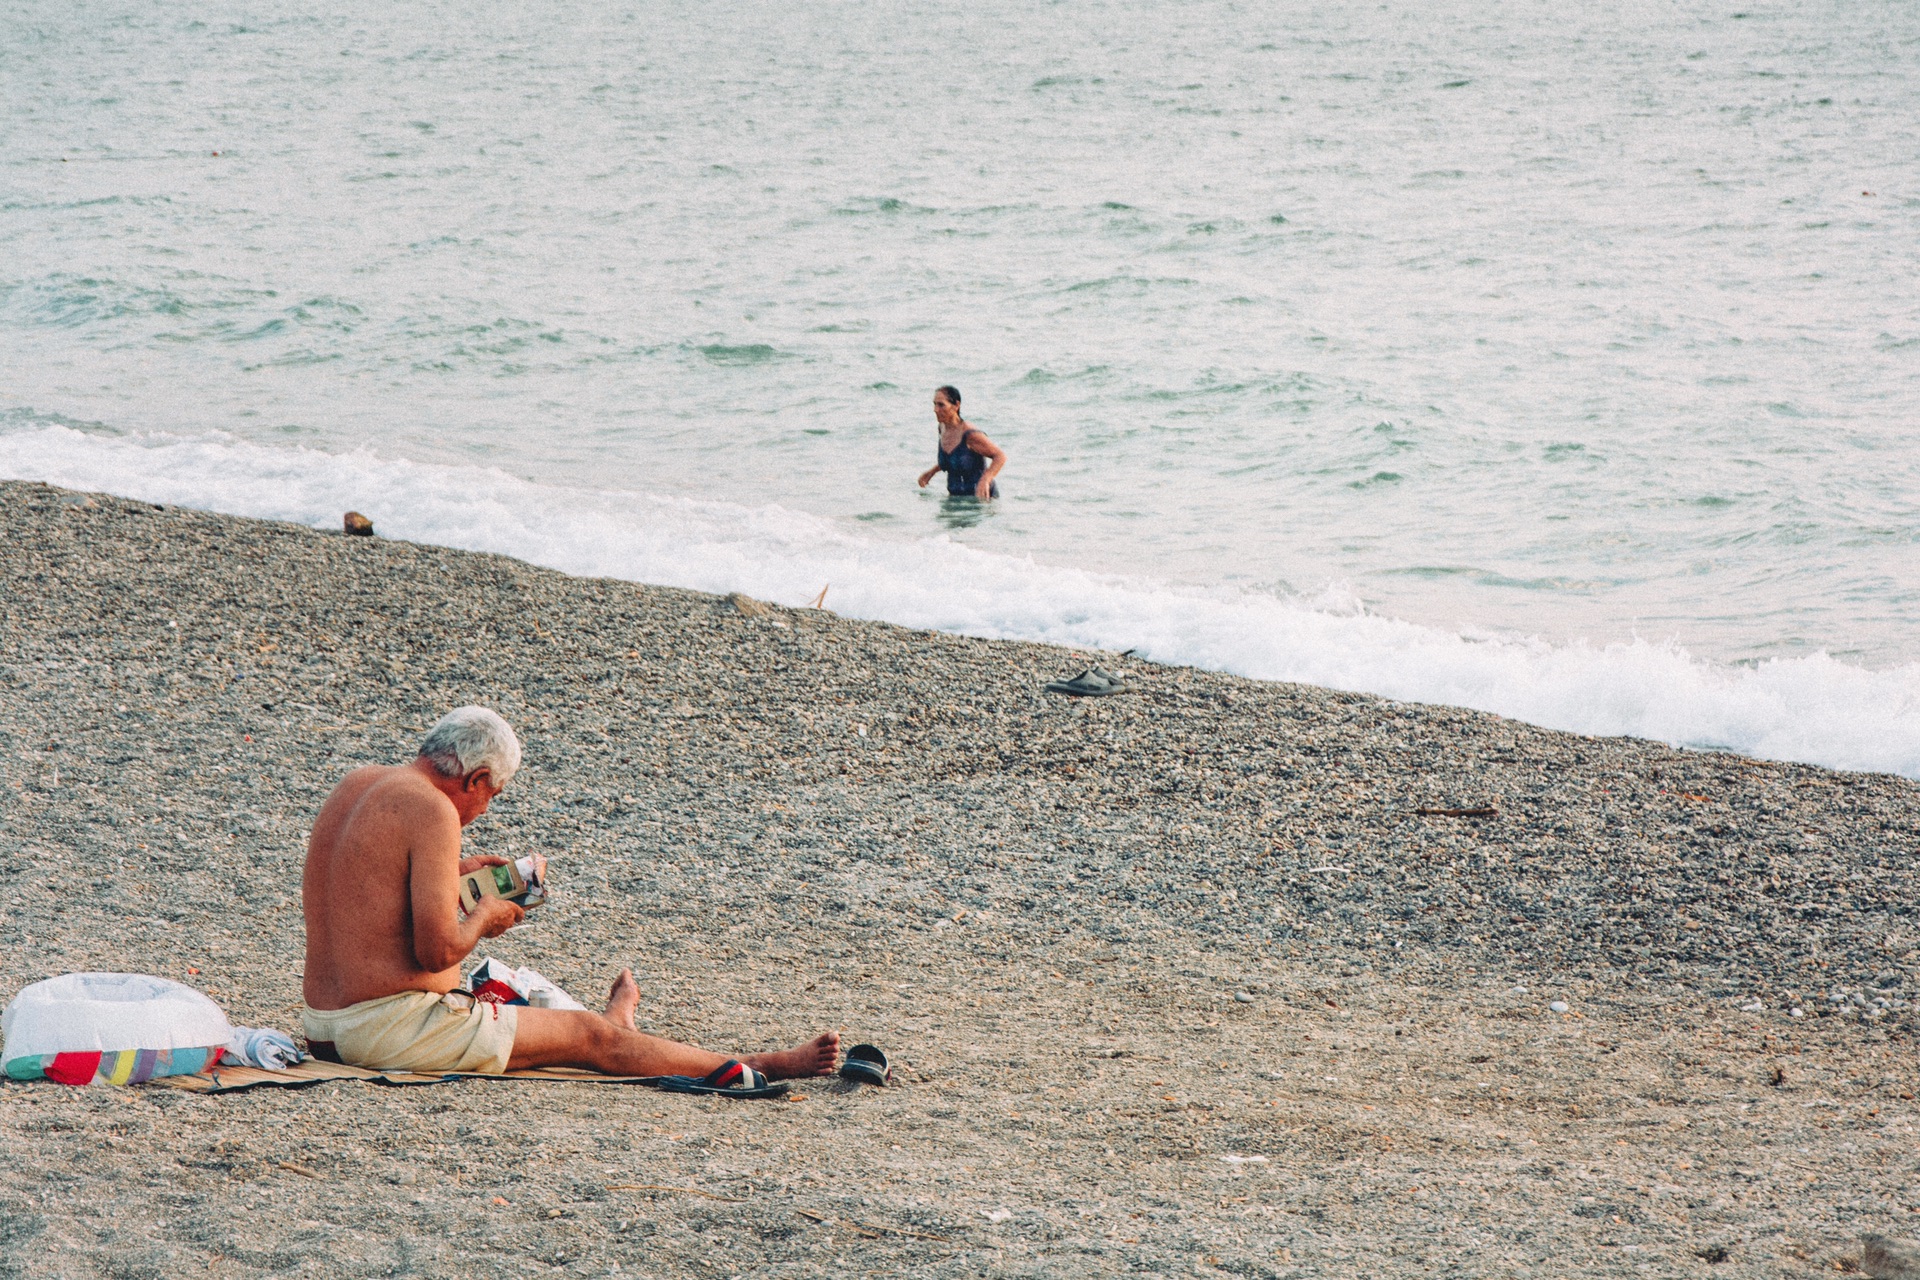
(623, 1000)
(816, 1057)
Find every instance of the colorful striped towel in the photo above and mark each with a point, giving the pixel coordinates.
(126, 1066)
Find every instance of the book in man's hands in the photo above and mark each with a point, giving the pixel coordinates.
(523, 882)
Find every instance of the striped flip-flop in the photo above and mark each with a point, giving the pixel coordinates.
(731, 1079)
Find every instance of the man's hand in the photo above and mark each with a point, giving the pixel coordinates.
(495, 916)
(480, 860)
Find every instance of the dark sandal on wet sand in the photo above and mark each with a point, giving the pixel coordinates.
(731, 1079)
(1091, 683)
(866, 1064)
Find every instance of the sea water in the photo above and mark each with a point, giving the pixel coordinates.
(1561, 361)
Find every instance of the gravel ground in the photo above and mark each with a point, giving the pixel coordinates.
(1180, 982)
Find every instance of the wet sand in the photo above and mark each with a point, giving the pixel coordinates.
(1181, 981)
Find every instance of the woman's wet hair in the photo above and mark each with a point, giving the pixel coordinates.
(951, 393)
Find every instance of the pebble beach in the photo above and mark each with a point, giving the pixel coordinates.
(1219, 976)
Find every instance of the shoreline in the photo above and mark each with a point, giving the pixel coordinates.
(780, 815)
(1670, 683)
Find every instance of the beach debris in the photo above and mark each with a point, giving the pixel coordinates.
(357, 525)
(679, 1191)
(1558, 1006)
(302, 1170)
(1753, 1006)
(749, 607)
(1243, 1159)
(820, 601)
(1244, 997)
(1887, 1258)
(1091, 683)
(874, 1230)
(996, 1215)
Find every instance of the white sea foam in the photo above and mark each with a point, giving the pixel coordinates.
(1814, 709)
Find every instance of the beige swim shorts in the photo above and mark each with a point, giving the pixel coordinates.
(418, 1031)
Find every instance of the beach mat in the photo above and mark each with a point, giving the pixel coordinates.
(235, 1079)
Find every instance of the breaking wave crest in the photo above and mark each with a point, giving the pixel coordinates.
(1813, 709)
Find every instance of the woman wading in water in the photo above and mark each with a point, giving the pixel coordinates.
(970, 460)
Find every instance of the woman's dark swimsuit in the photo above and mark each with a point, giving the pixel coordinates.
(964, 468)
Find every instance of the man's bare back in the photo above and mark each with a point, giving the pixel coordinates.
(381, 897)
(385, 846)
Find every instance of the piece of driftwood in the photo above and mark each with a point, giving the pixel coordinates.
(898, 1231)
(683, 1191)
(872, 1229)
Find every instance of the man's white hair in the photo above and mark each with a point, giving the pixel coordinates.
(473, 738)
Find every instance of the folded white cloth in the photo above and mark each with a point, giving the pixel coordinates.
(262, 1047)
(544, 993)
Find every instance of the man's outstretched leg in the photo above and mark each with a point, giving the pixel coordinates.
(608, 1042)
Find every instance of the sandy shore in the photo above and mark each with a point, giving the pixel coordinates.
(1113, 943)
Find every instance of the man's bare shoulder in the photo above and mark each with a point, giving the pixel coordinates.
(392, 789)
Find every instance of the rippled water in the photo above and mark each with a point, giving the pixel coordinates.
(1541, 328)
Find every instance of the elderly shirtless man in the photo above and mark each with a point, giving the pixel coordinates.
(385, 938)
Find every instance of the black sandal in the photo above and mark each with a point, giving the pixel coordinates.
(866, 1064)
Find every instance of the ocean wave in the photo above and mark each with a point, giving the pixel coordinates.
(1814, 709)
